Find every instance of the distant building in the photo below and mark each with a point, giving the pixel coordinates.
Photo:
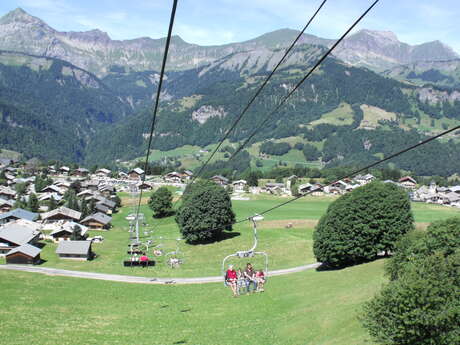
(220, 180)
(6, 205)
(16, 214)
(97, 221)
(407, 182)
(239, 186)
(61, 213)
(136, 174)
(15, 235)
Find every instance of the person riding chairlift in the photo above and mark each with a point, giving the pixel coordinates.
(231, 279)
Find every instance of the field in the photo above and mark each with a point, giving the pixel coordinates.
(293, 310)
(311, 307)
(285, 247)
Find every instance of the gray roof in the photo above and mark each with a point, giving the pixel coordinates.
(99, 217)
(108, 203)
(64, 211)
(137, 171)
(17, 234)
(6, 202)
(73, 247)
(102, 207)
(26, 249)
(220, 177)
(20, 214)
(7, 191)
(53, 188)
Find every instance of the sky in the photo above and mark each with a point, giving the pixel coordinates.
(209, 22)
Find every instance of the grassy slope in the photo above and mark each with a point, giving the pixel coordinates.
(293, 310)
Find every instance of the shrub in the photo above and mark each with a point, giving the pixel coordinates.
(161, 202)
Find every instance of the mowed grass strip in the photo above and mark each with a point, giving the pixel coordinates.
(304, 308)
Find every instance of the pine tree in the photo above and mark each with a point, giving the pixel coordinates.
(32, 204)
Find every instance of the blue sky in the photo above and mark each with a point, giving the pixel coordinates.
(209, 22)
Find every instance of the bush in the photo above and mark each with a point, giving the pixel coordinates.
(276, 149)
(161, 202)
(362, 223)
(310, 152)
(205, 212)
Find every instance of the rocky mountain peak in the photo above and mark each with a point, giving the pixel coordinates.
(20, 16)
(95, 35)
(379, 37)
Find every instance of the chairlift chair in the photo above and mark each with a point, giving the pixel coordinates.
(248, 253)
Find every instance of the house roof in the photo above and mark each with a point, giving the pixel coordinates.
(6, 202)
(73, 247)
(274, 185)
(98, 217)
(219, 177)
(85, 192)
(64, 168)
(68, 227)
(104, 171)
(83, 170)
(20, 214)
(27, 249)
(102, 207)
(64, 211)
(53, 188)
(455, 189)
(106, 202)
(30, 224)
(138, 171)
(7, 191)
(17, 234)
(240, 182)
(407, 179)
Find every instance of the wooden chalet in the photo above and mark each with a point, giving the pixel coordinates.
(17, 213)
(6, 205)
(407, 182)
(61, 213)
(75, 250)
(52, 189)
(82, 172)
(240, 185)
(64, 231)
(15, 235)
(103, 173)
(173, 177)
(97, 221)
(64, 170)
(24, 254)
(220, 180)
(144, 186)
(136, 174)
(7, 193)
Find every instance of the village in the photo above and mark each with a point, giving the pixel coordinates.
(46, 203)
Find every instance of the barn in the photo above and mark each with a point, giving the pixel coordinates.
(25, 254)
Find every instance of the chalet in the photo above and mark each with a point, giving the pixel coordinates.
(97, 221)
(52, 189)
(64, 231)
(450, 198)
(144, 186)
(305, 188)
(76, 250)
(106, 189)
(220, 180)
(102, 208)
(15, 235)
(4, 162)
(63, 185)
(455, 189)
(122, 175)
(16, 214)
(85, 193)
(103, 173)
(407, 182)
(27, 223)
(48, 196)
(90, 185)
(239, 186)
(364, 179)
(82, 172)
(136, 174)
(24, 254)
(317, 189)
(106, 202)
(173, 177)
(6, 205)
(274, 188)
(7, 193)
(61, 213)
(64, 170)
(187, 175)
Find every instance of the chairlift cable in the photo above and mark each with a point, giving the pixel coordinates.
(310, 72)
(157, 99)
(257, 93)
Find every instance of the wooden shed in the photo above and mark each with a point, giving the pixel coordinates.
(76, 250)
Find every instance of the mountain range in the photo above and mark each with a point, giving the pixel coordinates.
(80, 96)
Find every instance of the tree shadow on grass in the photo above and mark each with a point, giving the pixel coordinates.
(324, 267)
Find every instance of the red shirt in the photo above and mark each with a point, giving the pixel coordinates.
(231, 274)
(260, 274)
(144, 258)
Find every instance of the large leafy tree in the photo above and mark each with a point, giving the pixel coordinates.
(205, 212)
(161, 202)
(361, 224)
(420, 305)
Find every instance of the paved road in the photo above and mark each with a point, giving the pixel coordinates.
(139, 280)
